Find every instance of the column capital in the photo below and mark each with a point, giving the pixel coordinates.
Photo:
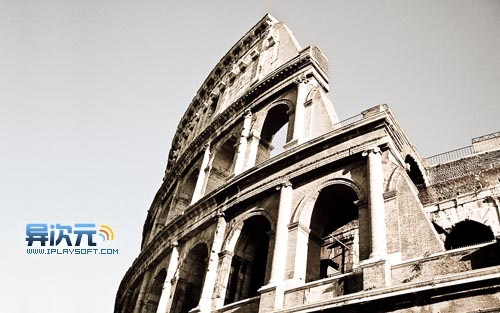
(206, 146)
(225, 253)
(248, 113)
(373, 150)
(301, 79)
(173, 244)
(283, 184)
(219, 215)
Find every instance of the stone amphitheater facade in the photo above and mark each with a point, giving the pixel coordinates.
(346, 217)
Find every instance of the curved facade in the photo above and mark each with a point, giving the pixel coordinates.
(271, 204)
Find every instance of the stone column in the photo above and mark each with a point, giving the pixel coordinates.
(225, 259)
(165, 300)
(242, 147)
(200, 182)
(142, 292)
(298, 123)
(281, 240)
(253, 149)
(299, 240)
(272, 294)
(205, 304)
(376, 204)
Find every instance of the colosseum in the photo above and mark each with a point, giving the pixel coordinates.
(270, 203)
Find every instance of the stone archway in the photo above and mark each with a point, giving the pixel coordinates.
(222, 164)
(277, 117)
(468, 233)
(249, 262)
(190, 281)
(333, 246)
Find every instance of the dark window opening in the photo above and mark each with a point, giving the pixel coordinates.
(222, 165)
(468, 233)
(414, 171)
(333, 241)
(130, 302)
(186, 190)
(190, 282)
(154, 292)
(249, 263)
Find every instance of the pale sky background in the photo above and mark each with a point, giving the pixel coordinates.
(91, 93)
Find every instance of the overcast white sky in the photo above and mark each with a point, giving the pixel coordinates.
(91, 93)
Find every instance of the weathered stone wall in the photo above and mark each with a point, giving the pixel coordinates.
(324, 290)
(417, 235)
(246, 306)
(442, 264)
(463, 176)
(481, 207)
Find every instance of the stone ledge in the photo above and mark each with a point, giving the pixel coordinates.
(480, 275)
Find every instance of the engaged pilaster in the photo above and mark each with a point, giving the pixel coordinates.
(142, 292)
(205, 304)
(272, 294)
(225, 258)
(200, 182)
(376, 203)
(298, 237)
(280, 247)
(242, 147)
(165, 300)
(298, 123)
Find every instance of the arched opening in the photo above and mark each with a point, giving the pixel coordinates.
(131, 299)
(190, 282)
(249, 262)
(468, 233)
(133, 302)
(162, 216)
(333, 246)
(414, 171)
(279, 141)
(222, 165)
(154, 292)
(186, 189)
(276, 120)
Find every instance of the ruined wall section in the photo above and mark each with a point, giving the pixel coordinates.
(409, 231)
(464, 190)
(418, 237)
(461, 177)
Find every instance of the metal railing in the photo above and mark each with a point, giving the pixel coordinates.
(485, 137)
(450, 156)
